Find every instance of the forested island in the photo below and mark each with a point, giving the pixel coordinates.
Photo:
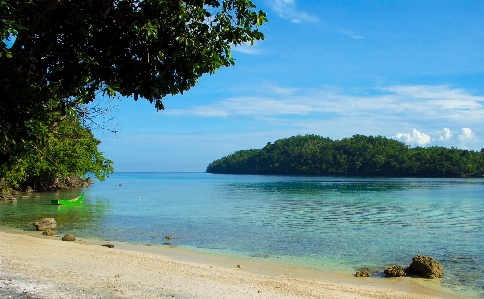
(356, 156)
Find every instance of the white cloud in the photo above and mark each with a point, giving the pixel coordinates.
(272, 100)
(456, 104)
(466, 136)
(286, 9)
(330, 110)
(431, 91)
(445, 135)
(350, 34)
(416, 138)
(274, 89)
(247, 48)
(440, 96)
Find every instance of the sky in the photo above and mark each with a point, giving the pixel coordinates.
(408, 70)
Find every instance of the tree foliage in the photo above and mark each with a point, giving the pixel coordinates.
(73, 152)
(356, 156)
(58, 55)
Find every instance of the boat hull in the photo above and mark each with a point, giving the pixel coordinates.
(74, 201)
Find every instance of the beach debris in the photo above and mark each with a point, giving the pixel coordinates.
(394, 271)
(425, 266)
(239, 266)
(364, 272)
(68, 237)
(45, 224)
(109, 245)
(49, 232)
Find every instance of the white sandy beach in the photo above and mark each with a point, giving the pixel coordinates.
(36, 266)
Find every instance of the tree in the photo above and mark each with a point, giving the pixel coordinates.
(73, 152)
(58, 55)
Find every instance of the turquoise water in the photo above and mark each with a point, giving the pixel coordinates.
(337, 224)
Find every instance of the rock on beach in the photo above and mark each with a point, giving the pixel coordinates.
(49, 232)
(425, 266)
(394, 271)
(69, 237)
(45, 224)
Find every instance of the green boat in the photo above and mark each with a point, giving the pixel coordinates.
(75, 200)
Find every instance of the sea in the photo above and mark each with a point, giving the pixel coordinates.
(338, 224)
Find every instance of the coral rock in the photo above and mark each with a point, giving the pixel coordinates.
(394, 271)
(69, 237)
(45, 224)
(49, 232)
(425, 266)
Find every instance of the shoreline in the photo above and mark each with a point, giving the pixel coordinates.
(33, 265)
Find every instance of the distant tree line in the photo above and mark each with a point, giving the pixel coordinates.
(356, 156)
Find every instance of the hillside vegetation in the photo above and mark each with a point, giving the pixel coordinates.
(356, 156)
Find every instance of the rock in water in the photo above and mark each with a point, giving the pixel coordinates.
(49, 232)
(69, 237)
(425, 266)
(45, 224)
(364, 272)
(394, 271)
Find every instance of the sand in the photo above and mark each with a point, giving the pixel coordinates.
(36, 266)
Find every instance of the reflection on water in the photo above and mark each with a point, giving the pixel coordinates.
(326, 223)
(27, 209)
(317, 185)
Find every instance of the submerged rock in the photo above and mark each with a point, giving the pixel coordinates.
(394, 271)
(362, 274)
(45, 224)
(425, 266)
(6, 194)
(49, 232)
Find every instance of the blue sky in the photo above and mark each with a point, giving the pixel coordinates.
(408, 70)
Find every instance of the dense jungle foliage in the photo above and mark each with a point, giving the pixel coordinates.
(72, 151)
(356, 156)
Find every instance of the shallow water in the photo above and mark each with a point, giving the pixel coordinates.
(336, 224)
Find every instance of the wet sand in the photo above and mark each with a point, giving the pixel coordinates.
(37, 266)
